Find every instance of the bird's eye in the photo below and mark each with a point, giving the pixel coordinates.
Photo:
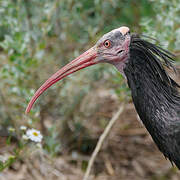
(107, 43)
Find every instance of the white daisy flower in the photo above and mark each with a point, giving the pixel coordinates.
(34, 135)
(23, 128)
(39, 145)
(3, 158)
(25, 137)
(11, 129)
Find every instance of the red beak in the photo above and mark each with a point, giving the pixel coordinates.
(86, 59)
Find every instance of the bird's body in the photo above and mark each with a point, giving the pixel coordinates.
(154, 93)
(155, 97)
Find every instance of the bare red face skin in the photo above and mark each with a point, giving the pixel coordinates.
(111, 48)
(86, 59)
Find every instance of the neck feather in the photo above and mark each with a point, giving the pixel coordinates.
(154, 93)
(153, 90)
(155, 96)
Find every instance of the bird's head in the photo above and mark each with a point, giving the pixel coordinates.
(112, 48)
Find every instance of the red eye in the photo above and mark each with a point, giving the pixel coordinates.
(107, 43)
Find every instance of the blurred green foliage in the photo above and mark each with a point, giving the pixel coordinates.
(52, 144)
(165, 26)
(38, 37)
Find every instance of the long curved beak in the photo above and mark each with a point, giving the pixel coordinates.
(86, 59)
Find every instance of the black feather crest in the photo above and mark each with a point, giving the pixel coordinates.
(157, 59)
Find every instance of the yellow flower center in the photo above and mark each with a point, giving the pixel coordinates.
(35, 133)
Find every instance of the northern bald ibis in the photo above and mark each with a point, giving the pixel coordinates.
(154, 93)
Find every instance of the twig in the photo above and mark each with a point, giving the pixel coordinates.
(101, 140)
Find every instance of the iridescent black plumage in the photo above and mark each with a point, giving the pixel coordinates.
(155, 95)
